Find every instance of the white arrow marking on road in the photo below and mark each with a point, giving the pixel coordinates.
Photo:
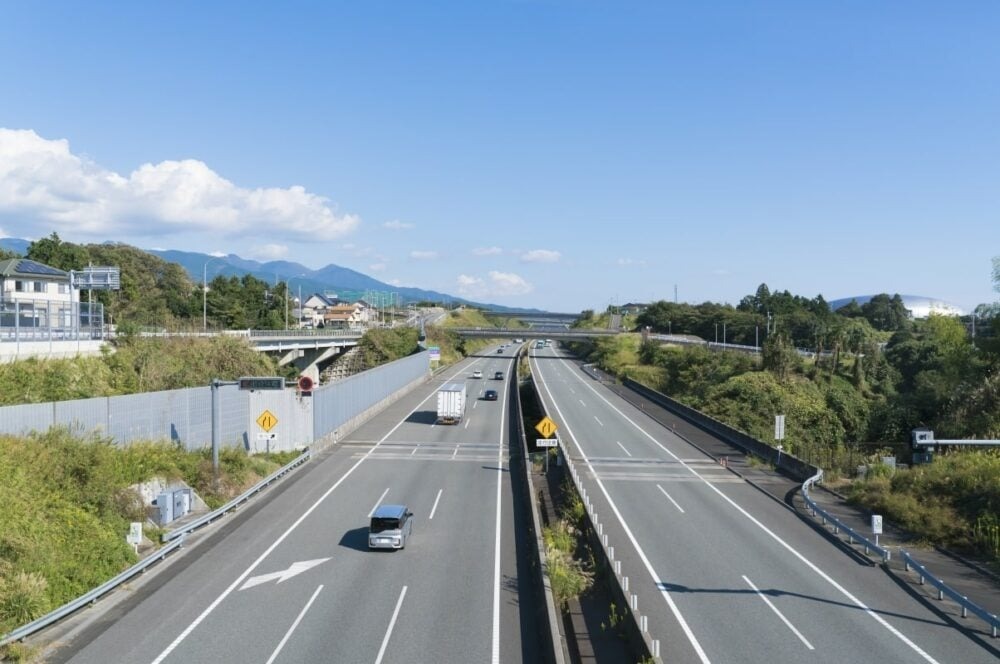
(284, 575)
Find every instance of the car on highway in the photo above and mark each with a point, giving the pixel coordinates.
(498, 375)
(490, 395)
(500, 350)
(390, 527)
(477, 374)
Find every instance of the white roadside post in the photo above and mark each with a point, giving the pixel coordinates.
(134, 536)
(876, 526)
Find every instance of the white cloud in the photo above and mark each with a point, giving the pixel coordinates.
(377, 267)
(508, 283)
(218, 254)
(498, 284)
(397, 225)
(487, 251)
(269, 252)
(423, 255)
(626, 262)
(42, 180)
(394, 282)
(540, 256)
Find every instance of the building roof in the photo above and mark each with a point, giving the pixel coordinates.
(29, 269)
(919, 306)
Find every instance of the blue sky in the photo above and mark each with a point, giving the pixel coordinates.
(554, 154)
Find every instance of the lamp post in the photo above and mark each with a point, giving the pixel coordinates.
(204, 294)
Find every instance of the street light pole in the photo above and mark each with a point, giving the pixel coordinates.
(204, 294)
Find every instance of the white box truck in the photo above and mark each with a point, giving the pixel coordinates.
(451, 403)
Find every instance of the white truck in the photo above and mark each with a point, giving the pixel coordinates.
(451, 403)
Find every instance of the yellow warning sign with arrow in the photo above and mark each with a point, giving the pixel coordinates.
(267, 421)
(546, 427)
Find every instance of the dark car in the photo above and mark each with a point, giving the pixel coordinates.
(490, 395)
(500, 350)
(498, 375)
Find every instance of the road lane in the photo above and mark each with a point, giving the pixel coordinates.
(697, 559)
(458, 568)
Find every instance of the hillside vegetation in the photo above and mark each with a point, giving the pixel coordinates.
(68, 505)
(846, 406)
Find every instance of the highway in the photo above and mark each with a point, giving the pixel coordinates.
(292, 579)
(724, 572)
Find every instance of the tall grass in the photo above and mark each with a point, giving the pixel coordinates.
(67, 505)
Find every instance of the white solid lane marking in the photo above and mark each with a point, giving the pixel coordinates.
(823, 575)
(779, 614)
(623, 448)
(392, 623)
(495, 650)
(378, 502)
(598, 421)
(288, 634)
(670, 498)
(434, 509)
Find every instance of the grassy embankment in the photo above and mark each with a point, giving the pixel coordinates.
(954, 501)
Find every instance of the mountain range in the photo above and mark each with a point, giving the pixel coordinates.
(344, 282)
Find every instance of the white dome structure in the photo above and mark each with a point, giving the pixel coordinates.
(919, 306)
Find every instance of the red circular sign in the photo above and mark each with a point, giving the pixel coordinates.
(305, 383)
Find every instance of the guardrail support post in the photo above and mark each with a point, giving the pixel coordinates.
(965, 609)
(644, 624)
(625, 583)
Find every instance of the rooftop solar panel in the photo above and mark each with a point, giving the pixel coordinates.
(25, 266)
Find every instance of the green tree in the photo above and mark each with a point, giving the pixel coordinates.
(779, 356)
(55, 253)
(886, 313)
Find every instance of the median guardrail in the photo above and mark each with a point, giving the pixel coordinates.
(72, 606)
(556, 642)
(839, 525)
(944, 590)
(175, 539)
(238, 500)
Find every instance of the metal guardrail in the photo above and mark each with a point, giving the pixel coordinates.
(242, 498)
(176, 541)
(837, 523)
(71, 607)
(944, 589)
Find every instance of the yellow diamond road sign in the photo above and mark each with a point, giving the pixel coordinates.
(267, 420)
(546, 427)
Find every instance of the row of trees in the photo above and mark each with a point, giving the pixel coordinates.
(878, 372)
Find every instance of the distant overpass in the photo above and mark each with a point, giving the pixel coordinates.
(557, 333)
(535, 318)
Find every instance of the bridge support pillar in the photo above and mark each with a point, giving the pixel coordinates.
(308, 360)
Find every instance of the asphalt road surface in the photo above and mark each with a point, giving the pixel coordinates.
(724, 572)
(292, 579)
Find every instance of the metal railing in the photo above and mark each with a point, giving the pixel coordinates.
(175, 539)
(839, 525)
(943, 590)
(238, 500)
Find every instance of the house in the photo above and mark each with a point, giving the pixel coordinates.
(34, 295)
(353, 315)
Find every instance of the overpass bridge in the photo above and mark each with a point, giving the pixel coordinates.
(557, 333)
